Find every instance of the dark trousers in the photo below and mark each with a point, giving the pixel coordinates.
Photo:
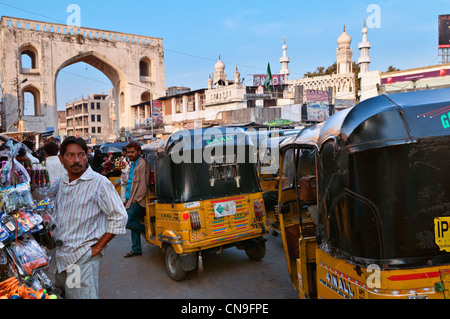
(133, 224)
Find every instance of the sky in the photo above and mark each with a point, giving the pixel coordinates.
(247, 34)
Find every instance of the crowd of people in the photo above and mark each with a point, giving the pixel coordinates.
(106, 164)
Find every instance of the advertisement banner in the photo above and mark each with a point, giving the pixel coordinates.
(444, 31)
(261, 79)
(318, 111)
(157, 111)
(316, 95)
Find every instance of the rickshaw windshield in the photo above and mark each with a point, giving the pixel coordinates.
(305, 159)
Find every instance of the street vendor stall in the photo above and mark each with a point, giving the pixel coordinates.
(25, 228)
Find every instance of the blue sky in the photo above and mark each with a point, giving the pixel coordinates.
(248, 34)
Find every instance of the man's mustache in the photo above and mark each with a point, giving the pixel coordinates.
(76, 165)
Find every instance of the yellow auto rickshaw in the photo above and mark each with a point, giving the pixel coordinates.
(269, 163)
(364, 200)
(207, 196)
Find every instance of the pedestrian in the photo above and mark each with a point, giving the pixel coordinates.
(97, 161)
(52, 162)
(125, 168)
(88, 214)
(135, 193)
(30, 151)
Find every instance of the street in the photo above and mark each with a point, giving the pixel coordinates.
(229, 275)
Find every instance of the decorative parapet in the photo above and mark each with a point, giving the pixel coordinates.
(88, 33)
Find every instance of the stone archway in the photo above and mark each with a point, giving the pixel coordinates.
(52, 47)
(104, 65)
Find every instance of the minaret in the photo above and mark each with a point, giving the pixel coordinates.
(210, 82)
(344, 54)
(364, 47)
(284, 60)
(236, 75)
(220, 77)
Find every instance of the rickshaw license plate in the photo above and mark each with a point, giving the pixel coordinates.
(442, 233)
(224, 209)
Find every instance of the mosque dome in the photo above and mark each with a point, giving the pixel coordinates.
(344, 39)
(219, 65)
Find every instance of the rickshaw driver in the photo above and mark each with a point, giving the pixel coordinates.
(136, 191)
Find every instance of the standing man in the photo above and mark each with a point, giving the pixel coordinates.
(136, 191)
(52, 163)
(124, 174)
(88, 214)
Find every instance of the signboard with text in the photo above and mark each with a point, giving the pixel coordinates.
(261, 79)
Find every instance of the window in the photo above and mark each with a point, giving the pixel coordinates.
(305, 159)
(92, 129)
(92, 118)
(224, 167)
(92, 105)
(98, 105)
(288, 170)
(28, 58)
(99, 129)
(99, 118)
(145, 68)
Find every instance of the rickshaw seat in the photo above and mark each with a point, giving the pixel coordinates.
(308, 188)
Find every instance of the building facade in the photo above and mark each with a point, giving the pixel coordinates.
(89, 118)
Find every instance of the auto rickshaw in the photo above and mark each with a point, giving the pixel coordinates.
(207, 196)
(364, 200)
(269, 163)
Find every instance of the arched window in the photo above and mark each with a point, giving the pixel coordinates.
(31, 101)
(28, 59)
(145, 70)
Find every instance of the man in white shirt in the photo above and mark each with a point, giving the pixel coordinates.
(54, 166)
(88, 214)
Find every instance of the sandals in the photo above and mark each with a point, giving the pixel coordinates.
(132, 254)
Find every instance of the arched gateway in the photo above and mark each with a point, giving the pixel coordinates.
(134, 64)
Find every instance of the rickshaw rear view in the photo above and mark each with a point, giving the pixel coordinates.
(207, 197)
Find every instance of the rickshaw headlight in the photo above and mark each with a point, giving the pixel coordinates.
(195, 220)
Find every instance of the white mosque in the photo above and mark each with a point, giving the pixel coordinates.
(342, 82)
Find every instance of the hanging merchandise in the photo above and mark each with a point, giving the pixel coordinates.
(26, 225)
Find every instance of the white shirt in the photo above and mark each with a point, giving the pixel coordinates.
(85, 209)
(54, 167)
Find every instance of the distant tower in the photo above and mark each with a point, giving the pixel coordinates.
(344, 54)
(364, 47)
(220, 77)
(210, 82)
(236, 75)
(284, 60)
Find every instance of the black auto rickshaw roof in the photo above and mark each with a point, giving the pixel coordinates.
(389, 119)
(204, 137)
(383, 180)
(184, 165)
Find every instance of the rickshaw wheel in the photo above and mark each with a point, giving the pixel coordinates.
(255, 250)
(173, 265)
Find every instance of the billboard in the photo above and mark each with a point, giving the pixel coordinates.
(260, 79)
(444, 31)
(316, 95)
(157, 112)
(318, 111)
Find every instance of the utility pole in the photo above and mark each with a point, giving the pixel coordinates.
(19, 113)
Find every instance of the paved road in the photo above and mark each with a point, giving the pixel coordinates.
(229, 275)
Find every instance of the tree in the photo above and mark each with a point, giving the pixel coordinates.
(392, 69)
(332, 69)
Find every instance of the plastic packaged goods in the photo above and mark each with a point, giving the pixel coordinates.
(26, 224)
